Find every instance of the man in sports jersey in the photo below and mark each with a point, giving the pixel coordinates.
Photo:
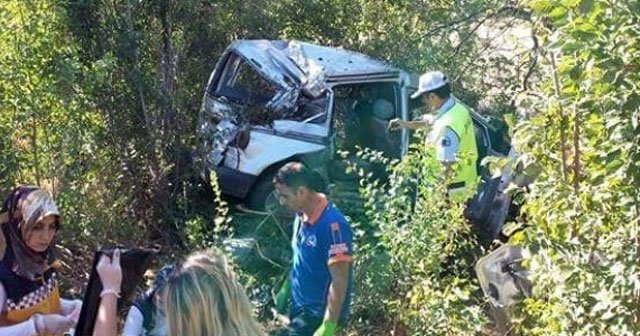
(321, 278)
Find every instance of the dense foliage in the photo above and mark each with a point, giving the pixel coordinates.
(53, 133)
(583, 209)
(417, 252)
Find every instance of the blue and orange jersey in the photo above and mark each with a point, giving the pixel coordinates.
(319, 241)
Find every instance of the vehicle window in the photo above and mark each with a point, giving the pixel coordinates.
(251, 94)
(312, 108)
(361, 116)
(241, 82)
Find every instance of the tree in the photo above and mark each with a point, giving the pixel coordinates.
(583, 209)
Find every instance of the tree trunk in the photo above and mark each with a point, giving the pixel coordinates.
(168, 68)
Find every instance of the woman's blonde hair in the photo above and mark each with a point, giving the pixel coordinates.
(204, 298)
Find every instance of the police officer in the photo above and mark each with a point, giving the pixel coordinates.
(452, 131)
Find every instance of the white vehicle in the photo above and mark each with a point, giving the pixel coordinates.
(271, 102)
(294, 101)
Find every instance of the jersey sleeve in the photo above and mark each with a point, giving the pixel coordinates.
(340, 241)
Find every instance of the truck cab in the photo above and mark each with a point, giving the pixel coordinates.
(269, 102)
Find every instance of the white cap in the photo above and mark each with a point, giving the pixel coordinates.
(430, 81)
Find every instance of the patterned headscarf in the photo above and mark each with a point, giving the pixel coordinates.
(162, 277)
(21, 211)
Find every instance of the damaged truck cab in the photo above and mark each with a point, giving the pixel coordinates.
(271, 102)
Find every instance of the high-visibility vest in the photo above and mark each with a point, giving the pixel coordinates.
(459, 120)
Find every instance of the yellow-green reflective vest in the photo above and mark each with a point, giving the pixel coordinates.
(459, 120)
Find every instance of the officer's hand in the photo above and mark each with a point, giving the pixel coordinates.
(428, 118)
(53, 324)
(282, 297)
(395, 124)
(327, 328)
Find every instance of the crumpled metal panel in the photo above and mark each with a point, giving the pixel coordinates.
(270, 63)
(337, 62)
(216, 109)
(283, 101)
(216, 129)
(278, 66)
(216, 138)
(315, 83)
(265, 149)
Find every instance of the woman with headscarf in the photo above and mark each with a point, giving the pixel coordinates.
(146, 316)
(30, 302)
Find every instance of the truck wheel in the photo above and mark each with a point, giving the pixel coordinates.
(262, 189)
(263, 197)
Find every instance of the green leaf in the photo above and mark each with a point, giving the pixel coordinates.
(632, 103)
(569, 3)
(540, 6)
(586, 6)
(558, 13)
(570, 47)
(495, 164)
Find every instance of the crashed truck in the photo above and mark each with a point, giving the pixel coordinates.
(269, 102)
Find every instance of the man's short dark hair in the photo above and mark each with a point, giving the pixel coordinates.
(443, 92)
(296, 174)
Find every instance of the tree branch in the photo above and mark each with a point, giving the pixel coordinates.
(34, 110)
(469, 35)
(576, 161)
(563, 137)
(478, 54)
(137, 72)
(518, 12)
(534, 61)
(454, 23)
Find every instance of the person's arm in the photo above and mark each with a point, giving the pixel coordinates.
(447, 146)
(111, 277)
(67, 307)
(26, 328)
(397, 124)
(339, 251)
(133, 325)
(337, 291)
(107, 320)
(36, 324)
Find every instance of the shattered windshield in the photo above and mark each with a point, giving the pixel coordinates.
(240, 82)
(247, 97)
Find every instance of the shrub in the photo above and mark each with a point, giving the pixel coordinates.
(424, 248)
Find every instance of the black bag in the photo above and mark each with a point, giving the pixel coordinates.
(479, 210)
(134, 263)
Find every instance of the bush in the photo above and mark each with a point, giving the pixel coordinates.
(583, 209)
(418, 253)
